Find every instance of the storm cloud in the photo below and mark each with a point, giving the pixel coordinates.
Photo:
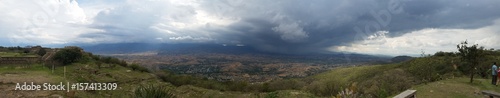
(295, 26)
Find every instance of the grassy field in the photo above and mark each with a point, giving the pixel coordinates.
(345, 74)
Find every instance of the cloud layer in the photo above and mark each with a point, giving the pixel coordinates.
(428, 41)
(278, 26)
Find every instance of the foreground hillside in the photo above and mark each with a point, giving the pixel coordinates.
(129, 80)
(451, 87)
(126, 79)
(441, 73)
(421, 73)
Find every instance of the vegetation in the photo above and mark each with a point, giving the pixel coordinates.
(138, 68)
(153, 91)
(179, 80)
(391, 79)
(369, 81)
(42, 52)
(272, 95)
(472, 55)
(459, 87)
(431, 73)
(68, 55)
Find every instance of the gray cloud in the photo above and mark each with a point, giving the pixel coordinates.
(295, 26)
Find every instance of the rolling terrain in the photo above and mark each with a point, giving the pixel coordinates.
(231, 63)
(431, 76)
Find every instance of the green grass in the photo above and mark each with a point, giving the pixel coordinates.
(455, 88)
(346, 74)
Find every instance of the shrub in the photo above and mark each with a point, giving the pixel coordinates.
(152, 91)
(387, 83)
(348, 92)
(138, 68)
(123, 63)
(428, 69)
(324, 88)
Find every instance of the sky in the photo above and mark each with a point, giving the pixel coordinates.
(381, 27)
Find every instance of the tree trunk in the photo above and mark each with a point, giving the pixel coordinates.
(472, 74)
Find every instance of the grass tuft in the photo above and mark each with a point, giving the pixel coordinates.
(152, 91)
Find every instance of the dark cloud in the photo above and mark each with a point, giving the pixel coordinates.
(292, 26)
(330, 23)
(301, 26)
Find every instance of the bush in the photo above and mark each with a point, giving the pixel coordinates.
(429, 69)
(324, 88)
(387, 83)
(138, 68)
(152, 91)
(123, 63)
(349, 92)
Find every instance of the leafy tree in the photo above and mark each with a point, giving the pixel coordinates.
(472, 55)
(428, 69)
(68, 55)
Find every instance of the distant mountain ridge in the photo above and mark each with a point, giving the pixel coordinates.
(164, 48)
(123, 48)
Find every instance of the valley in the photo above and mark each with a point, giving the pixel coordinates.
(240, 63)
(248, 67)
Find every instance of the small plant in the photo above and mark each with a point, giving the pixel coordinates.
(272, 95)
(349, 92)
(153, 91)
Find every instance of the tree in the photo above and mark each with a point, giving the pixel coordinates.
(68, 55)
(472, 55)
(42, 52)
